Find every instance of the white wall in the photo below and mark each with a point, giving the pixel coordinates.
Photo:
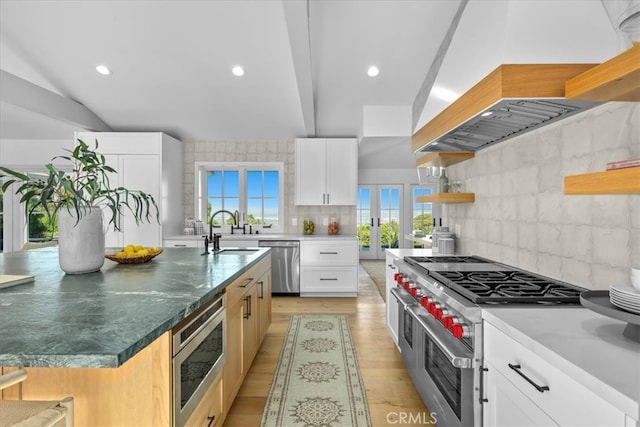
(521, 216)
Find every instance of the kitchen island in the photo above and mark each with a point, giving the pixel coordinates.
(105, 337)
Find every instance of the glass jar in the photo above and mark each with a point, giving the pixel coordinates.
(334, 227)
(308, 227)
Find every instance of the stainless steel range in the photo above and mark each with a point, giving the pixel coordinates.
(440, 324)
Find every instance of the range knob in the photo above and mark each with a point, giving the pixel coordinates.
(406, 285)
(440, 313)
(395, 277)
(433, 306)
(399, 278)
(413, 291)
(460, 330)
(449, 321)
(424, 301)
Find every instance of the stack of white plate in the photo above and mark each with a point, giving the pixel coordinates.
(625, 297)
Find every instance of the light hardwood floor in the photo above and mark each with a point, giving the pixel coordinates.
(389, 389)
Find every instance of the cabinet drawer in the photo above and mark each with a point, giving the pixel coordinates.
(246, 280)
(329, 253)
(568, 402)
(182, 244)
(208, 413)
(328, 280)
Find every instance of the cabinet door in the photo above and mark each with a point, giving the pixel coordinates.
(264, 305)
(310, 172)
(208, 413)
(342, 171)
(233, 367)
(391, 302)
(141, 173)
(249, 326)
(507, 406)
(135, 172)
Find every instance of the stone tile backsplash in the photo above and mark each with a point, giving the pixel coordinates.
(263, 151)
(521, 216)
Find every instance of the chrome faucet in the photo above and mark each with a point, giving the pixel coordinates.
(211, 226)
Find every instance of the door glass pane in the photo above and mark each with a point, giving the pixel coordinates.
(389, 217)
(422, 214)
(363, 212)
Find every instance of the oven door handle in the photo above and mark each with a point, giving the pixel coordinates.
(403, 297)
(457, 354)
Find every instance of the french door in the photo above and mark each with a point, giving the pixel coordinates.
(379, 212)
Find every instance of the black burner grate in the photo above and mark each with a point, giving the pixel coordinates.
(445, 259)
(483, 287)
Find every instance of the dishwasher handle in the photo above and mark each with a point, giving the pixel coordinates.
(278, 243)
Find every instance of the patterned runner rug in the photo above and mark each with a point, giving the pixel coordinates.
(317, 382)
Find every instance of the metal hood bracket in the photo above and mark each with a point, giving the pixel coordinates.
(513, 99)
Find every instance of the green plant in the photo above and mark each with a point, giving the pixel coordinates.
(85, 186)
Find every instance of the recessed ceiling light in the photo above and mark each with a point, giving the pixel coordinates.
(102, 69)
(373, 71)
(237, 71)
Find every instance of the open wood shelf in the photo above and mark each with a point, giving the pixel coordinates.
(617, 181)
(443, 159)
(617, 79)
(447, 198)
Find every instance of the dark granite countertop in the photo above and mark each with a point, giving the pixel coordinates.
(102, 319)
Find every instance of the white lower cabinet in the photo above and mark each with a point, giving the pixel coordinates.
(329, 267)
(507, 406)
(391, 302)
(522, 388)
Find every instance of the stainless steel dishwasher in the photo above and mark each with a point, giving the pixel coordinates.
(285, 266)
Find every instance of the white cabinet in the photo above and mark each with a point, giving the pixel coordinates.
(329, 267)
(326, 171)
(150, 162)
(522, 388)
(391, 301)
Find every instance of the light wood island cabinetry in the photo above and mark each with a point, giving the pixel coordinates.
(243, 326)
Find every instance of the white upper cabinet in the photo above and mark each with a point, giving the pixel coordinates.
(326, 171)
(149, 162)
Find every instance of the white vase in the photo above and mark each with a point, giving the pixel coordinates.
(81, 246)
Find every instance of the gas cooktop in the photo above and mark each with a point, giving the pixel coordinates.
(500, 287)
(483, 281)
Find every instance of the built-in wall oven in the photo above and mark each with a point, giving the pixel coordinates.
(199, 347)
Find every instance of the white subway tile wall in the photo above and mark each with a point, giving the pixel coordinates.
(521, 216)
(263, 151)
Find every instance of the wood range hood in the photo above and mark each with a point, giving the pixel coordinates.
(517, 98)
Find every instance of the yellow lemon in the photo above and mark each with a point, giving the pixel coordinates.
(138, 247)
(129, 248)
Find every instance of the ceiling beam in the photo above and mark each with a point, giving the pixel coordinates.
(21, 93)
(297, 18)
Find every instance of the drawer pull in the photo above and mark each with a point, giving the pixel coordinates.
(328, 253)
(328, 278)
(179, 245)
(246, 282)
(517, 368)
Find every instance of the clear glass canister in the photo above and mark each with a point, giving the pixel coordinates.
(334, 226)
(308, 227)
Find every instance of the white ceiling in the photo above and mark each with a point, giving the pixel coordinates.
(305, 64)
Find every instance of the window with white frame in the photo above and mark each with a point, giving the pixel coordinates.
(422, 213)
(253, 190)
